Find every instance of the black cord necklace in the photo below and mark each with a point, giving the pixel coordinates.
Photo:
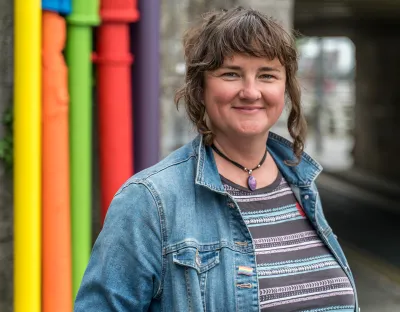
(251, 181)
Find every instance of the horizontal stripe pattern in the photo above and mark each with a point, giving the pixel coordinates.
(265, 272)
(304, 286)
(274, 304)
(296, 271)
(342, 308)
(257, 221)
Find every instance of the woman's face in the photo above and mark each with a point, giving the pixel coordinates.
(245, 96)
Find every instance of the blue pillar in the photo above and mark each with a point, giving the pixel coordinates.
(60, 6)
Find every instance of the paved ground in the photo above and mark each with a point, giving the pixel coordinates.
(367, 225)
(377, 290)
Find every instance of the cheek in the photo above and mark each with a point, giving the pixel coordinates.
(275, 97)
(220, 93)
(222, 98)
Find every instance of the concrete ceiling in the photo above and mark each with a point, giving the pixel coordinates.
(313, 16)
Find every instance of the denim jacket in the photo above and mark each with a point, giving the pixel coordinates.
(173, 237)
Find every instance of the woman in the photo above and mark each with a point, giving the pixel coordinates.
(232, 221)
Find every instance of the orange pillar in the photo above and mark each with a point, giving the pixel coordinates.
(56, 233)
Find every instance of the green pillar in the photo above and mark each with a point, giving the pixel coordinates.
(85, 15)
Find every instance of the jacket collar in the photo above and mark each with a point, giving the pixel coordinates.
(302, 175)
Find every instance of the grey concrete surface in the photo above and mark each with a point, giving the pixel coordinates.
(377, 286)
(361, 218)
(6, 202)
(366, 224)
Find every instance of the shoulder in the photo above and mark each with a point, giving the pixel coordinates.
(302, 174)
(180, 164)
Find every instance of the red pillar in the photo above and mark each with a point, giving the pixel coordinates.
(113, 61)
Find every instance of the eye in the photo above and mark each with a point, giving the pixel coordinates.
(230, 75)
(267, 77)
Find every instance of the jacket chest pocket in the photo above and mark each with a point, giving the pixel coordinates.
(195, 267)
(201, 261)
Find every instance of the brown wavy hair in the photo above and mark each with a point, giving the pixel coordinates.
(221, 34)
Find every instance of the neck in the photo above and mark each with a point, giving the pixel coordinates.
(247, 152)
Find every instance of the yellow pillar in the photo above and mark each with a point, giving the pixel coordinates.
(27, 147)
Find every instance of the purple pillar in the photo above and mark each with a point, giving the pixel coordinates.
(145, 35)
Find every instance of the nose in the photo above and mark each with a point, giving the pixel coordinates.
(249, 92)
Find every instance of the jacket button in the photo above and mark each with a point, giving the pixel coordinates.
(232, 205)
(306, 197)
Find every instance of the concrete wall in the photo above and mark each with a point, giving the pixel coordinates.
(377, 109)
(6, 203)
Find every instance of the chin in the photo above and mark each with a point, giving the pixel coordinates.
(252, 132)
(252, 129)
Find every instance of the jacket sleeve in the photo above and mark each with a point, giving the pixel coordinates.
(124, 270)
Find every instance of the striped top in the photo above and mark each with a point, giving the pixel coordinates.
(296, 271)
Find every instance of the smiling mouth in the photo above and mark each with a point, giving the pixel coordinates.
(248, 109)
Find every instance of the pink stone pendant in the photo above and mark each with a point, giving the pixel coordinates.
(252, 183)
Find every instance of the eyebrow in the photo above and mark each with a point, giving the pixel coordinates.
(264, 68)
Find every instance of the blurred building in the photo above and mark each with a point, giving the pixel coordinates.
(337, 76)
(373, 27)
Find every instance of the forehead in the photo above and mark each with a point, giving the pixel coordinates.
(249, 60)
